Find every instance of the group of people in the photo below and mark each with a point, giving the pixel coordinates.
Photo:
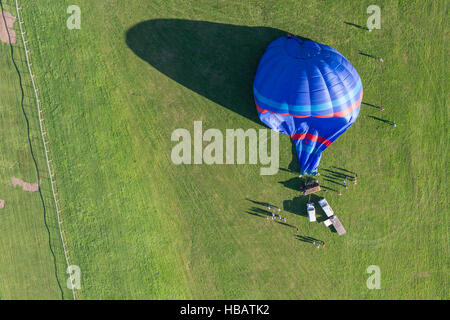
(345, 183)
(274, 216)
(317, 243)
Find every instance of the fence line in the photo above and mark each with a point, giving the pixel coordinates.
(41, 119)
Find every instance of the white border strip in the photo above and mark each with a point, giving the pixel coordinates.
(43, 140)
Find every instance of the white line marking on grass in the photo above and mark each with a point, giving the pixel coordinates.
(43, 140)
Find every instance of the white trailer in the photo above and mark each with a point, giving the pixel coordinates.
(311, 211)
(326, 207)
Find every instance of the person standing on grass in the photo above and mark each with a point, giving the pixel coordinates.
(323, 244)
(339, 193)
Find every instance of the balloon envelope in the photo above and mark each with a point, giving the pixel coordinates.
(308, 91)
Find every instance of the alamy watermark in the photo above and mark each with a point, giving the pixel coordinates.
(228, 148)
(374, 281)
(374, 20)
(74, 279)
(74, 21)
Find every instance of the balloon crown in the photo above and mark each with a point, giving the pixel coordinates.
(299, 48)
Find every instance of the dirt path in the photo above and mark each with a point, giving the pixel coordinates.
(30, 187)
(3, 31)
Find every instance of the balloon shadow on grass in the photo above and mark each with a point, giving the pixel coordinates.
(217, 61)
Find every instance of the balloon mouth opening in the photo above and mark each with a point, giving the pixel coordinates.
(310, 173)
(301, 49)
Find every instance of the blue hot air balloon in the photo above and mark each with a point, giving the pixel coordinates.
(308, 91)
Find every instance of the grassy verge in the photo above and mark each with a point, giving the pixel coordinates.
(32, 263)
(141, 227)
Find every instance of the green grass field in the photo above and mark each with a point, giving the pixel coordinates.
(141, 227)
(32, 263)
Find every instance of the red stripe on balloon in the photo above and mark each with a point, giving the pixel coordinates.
(311, 137)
